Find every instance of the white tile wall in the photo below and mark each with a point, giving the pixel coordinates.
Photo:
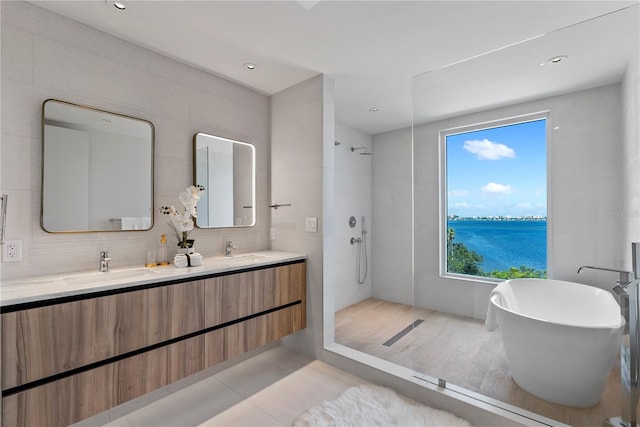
(586, 181)
(631, 155)
(48, 56)
(352, 198)
(392, 192)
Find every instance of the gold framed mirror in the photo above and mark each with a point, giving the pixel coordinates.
(97, 170)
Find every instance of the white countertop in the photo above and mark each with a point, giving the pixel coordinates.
(43, 288)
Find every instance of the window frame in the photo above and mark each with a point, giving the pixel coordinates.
(443, 186)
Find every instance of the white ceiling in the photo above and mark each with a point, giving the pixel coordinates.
(596, 53)
(371, 48)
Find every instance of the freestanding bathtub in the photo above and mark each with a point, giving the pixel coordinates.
(561, 338)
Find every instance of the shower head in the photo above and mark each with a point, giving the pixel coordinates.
(364, 153)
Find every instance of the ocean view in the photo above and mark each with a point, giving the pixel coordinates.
(504, 244)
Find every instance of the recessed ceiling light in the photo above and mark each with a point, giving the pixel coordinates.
(374, 109)
(119, 5)
(555, 60)
(249, 66)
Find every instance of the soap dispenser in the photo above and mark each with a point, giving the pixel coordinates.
(163, 256)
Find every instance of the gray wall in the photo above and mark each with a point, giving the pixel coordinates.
(47, 56)
(585, 182)
(302, 135)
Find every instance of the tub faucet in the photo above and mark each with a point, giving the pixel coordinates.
(623, 282)
(104, 261)
(229, 246)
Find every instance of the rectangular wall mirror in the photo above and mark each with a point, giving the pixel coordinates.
(227, 171)
(97, 170)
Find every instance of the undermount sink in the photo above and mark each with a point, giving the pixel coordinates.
(142, 273)
(247, 257)
(108, 276)
(240, 259)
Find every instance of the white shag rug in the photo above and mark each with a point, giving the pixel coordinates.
(369, 405)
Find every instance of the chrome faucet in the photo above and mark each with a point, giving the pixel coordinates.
(628, 290)
(229, 246)
(623, 282)
(104, 261)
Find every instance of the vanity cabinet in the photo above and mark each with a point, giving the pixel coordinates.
(274, 292)
(66, 360)
(48, 340)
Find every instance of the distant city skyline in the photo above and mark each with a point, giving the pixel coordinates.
(497, 218)
(498, 172)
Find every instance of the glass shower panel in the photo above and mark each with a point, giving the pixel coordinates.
(393, 241)
(373, 206)
(585, 89)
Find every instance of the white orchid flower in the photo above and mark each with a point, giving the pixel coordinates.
(195, 192)
(182, 222)
(190, 198)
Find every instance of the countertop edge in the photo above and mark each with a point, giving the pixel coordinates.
(172, 274)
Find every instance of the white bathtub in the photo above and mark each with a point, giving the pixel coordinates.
(561, 338)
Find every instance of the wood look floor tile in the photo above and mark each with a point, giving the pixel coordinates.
(459, 350)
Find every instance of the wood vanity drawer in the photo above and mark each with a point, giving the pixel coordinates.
(45, 341)
(243, 294)
(231, 341)
(71, 399)
(80, 396)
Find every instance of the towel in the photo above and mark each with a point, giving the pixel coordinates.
(191, 260)
(128, 223)
(143, 223)
(505, 298)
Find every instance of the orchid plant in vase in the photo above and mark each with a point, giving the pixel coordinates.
(182, 222)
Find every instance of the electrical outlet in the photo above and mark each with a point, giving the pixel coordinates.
(12, 250)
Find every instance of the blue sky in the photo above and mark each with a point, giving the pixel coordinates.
(498, 171)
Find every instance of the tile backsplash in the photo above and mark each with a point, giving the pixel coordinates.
(48, 56)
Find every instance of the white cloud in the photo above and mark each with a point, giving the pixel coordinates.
(492, 187)
(488, 150)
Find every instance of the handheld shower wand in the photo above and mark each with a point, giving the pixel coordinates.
(361, 257)
(362, 261)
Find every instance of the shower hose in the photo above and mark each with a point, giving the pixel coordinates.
(362, 267)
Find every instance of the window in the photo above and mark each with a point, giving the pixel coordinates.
(495, 199)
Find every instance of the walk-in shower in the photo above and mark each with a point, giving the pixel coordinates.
(403, 185)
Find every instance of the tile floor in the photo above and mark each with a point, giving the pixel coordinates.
(461, 351)
(270, 389)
